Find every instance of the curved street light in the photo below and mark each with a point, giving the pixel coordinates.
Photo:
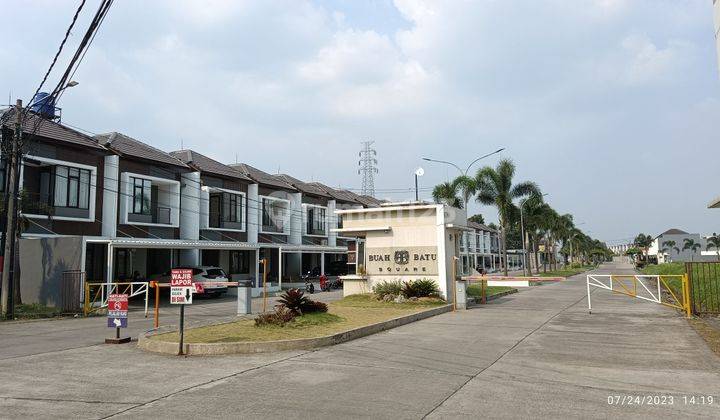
(465, 172)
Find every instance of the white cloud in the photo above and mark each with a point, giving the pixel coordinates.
(563, 85)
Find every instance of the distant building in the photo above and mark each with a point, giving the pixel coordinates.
(663, 252)
(620, 249)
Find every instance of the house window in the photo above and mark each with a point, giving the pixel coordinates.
(72, 187)
(232, 208)
(272, 216)
(315, 221)
(142, 191)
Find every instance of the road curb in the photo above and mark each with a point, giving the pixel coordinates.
(210, 349)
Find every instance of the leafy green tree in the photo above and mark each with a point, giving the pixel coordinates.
(692, 246)
(495, 188)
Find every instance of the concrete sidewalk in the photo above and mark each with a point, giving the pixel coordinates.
(536, 353)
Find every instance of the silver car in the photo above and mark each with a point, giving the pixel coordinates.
(202, 274)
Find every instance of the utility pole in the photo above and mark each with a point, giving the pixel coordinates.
(6, 300)
(368, 168)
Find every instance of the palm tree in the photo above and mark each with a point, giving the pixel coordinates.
(714, 242)
(446, 193)
(670, 245)
(691, 245)
(494, 187)
(456, 193)
(535, 212)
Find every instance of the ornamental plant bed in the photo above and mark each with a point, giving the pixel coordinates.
(346, 314)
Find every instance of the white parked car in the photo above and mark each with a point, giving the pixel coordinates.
(202, 274)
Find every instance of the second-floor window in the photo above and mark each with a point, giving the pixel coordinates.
(315, 221)
(232, 208)
(273, 216)
(72, 187)
(142, 193)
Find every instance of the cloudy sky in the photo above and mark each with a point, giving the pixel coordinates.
(612, 106)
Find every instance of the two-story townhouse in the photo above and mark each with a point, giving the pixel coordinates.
(344, 200)
(223, 216)
(274, 218)
(155, 199)
(320, 247)
(61, 183)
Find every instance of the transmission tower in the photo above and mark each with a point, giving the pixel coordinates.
(368, 168)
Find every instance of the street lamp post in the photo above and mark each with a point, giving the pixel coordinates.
(465, 172)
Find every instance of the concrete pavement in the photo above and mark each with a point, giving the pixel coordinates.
(537, 353)
(23, 338)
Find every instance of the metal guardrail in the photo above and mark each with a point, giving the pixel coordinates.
(96, 294)
(651, 288)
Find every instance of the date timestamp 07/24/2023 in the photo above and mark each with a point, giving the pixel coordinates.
(661, 400)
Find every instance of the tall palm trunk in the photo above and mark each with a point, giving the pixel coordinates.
(504, 248)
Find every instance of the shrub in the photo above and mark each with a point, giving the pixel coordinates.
(420, 288)
(387, 288)
(294, 300)
(575, 265)
(313, 306)
(279, 317)
(425, 288)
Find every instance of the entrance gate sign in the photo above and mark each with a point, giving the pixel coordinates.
(181, 286)
(117, 310)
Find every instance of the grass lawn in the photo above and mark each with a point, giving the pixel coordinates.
(476, 291)
(667, 269)
(664, 269)
(35, 310)
(348, 313)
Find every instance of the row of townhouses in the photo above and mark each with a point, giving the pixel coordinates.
(116, 208)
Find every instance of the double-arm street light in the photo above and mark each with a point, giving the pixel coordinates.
(465, 172)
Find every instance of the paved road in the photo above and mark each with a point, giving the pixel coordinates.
(533, 354)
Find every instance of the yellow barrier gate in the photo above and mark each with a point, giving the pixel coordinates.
(662, 289)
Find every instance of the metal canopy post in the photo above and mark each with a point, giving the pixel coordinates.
(280, 263)
(109, 271)
(322, 263)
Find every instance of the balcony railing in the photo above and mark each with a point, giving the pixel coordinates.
(162, 215)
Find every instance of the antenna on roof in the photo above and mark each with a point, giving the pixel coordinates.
(182, 146)
(236, 158)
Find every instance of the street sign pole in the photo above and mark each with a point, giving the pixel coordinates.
(181, 291)
(182, 329)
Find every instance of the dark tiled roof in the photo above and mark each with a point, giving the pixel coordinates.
(204, 164)
(480, 226)
(129, 146)
(365, 200)
(674, 232)
(305, 187)
(49, 129)
(340, 195)
(261, 177)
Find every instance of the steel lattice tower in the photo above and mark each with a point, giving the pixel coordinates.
(368, 168)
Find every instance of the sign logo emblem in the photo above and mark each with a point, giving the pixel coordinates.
(402, 257)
